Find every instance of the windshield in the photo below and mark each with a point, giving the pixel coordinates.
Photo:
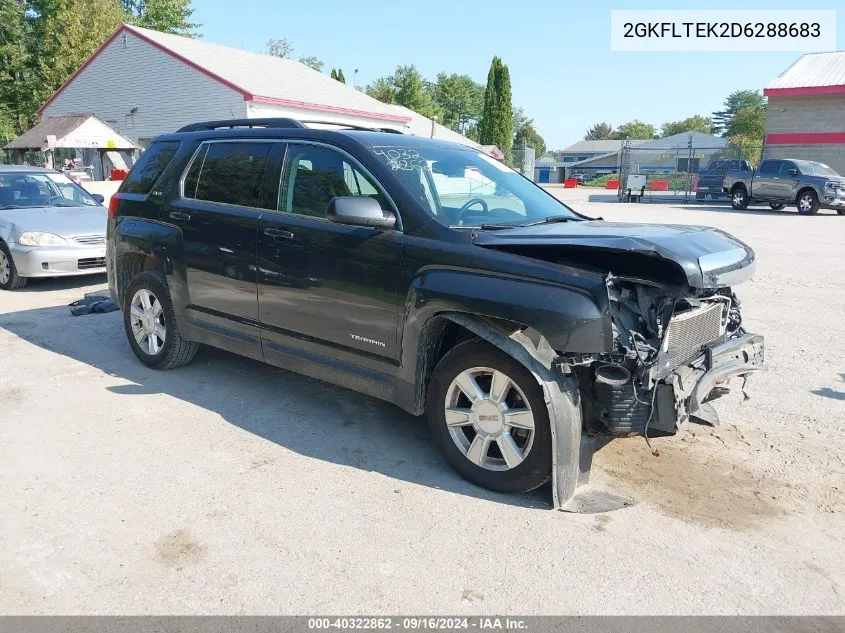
(462, 188)
(812, 168)
(41, 189)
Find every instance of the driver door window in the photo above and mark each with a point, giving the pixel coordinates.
(314, 175)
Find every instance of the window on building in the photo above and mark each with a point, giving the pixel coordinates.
(149, 167)
(229, 173)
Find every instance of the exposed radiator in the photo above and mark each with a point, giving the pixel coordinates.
(690, 331)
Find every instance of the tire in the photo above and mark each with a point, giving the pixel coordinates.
(840, 211)
(501, 470)
(807, 202)
(9, 277)
(157, 323)
(776, 206)
(739, 199)
(700, 195)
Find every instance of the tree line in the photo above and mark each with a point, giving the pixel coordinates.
(42, 42)
(742, 121)
(481, 112)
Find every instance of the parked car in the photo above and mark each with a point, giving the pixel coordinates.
(808, 185)
(49, 227)
(713, 175)
(430, 275)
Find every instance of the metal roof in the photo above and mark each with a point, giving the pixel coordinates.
(266, 78)
(814, 71)
(601, 147)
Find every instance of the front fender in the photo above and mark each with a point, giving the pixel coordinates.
(574, 320)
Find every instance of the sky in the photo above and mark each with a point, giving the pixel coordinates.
(563, 73)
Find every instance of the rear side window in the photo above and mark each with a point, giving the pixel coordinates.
(770, 167)
(229, 173)
(149, 167)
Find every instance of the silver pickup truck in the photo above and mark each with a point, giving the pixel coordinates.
(808, 185)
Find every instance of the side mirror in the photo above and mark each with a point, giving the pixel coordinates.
(792, 172)
(98, 197)
(360, 211)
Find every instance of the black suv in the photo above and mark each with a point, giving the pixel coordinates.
(433, 276)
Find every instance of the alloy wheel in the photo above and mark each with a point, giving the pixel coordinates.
(805, 202)
(147, 321)
(738, 199)
(489, 418)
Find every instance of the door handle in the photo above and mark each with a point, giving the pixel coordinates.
(278, 234)
(179, 216)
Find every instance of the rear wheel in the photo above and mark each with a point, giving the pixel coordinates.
(9, 277)
(841, 211)
(808, 203)
(488, 417)
(776, 206)
(739, 198)
(150, 323)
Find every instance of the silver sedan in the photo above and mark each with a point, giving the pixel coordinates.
(49, 227)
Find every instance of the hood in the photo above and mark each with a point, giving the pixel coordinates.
(708, 257)
(69, 222)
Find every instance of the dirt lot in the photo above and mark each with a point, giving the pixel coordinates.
(232, 487)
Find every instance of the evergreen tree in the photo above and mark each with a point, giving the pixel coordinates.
(340, 76)
(496, 125)
(333, 74)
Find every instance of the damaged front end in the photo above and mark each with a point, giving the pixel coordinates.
(673, 351)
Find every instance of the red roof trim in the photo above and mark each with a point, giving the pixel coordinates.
(806, 138)
(327, 108)
(804, 92)
(248, 96)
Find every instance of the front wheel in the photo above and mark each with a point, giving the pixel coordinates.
(488, 417)
(150, 323)
(808, 203)
(739, 199)
(9, 277)
(776, 206)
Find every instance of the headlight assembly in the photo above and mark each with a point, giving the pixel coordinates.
(36, 238)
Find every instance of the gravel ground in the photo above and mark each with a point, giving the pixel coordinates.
(232, 487)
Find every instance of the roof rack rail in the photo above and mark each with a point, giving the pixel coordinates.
(235, 123)
(352, 126)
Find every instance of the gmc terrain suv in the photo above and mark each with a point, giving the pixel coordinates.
(433, 276)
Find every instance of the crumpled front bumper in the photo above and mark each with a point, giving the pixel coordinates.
(686, 388)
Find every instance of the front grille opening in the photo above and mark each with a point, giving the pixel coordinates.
(91, 262)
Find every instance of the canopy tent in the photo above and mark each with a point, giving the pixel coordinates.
(100, 148)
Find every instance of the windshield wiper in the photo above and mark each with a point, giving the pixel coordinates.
(553, 219)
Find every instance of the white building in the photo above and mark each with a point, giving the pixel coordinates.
(144, 83)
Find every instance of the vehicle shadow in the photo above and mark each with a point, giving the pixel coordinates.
(306, 416)
(827, 392)
(45, 284)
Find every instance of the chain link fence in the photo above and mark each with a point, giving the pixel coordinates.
(677, 171)
(523, 160)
